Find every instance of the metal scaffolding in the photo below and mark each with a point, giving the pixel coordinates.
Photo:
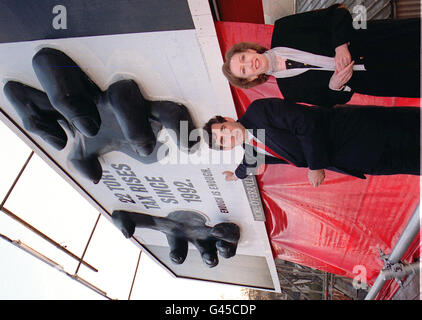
(393, 267)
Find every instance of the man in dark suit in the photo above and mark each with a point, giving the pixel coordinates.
(389, 50)
(353, 140)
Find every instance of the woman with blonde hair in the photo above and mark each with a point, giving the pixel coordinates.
(317, 57)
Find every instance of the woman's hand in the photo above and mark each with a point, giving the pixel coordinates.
(340, 78)
(342, 58)
(316, 177)
(230, 176)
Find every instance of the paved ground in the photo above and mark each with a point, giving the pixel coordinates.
(410, 289)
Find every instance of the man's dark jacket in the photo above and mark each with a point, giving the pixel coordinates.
(353, 140)
(389, 49)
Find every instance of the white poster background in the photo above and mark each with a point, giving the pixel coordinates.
(181, 66)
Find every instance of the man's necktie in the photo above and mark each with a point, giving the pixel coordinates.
(262, 146)
(290, 64)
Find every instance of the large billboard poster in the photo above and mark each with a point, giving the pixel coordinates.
(81, 82)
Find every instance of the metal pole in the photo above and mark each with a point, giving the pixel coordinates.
(326, 286)
(402, 272)
(294, 286)
(27, 225)
(19, 244)
(16, 179)
(134, 276)
(45, 237)
(87, 244)
(331, 286)
(399, 250)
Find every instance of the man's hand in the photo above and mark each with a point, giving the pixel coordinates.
(339, 79)
(342, 57)
(230, 176)
(316, 177)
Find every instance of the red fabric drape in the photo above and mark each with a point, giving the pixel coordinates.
(339, 226)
